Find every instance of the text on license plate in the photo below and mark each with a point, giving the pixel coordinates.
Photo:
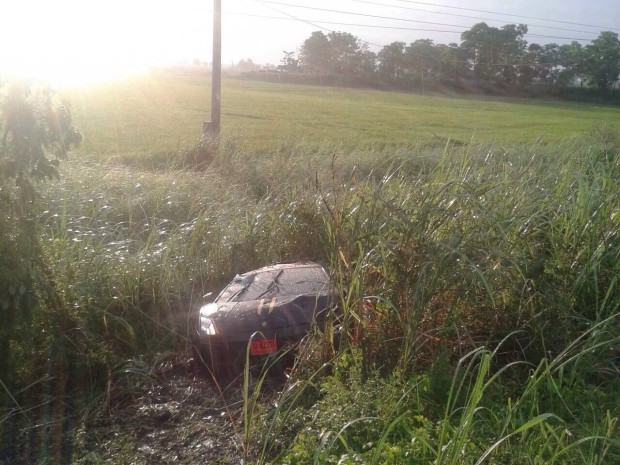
(263, 346)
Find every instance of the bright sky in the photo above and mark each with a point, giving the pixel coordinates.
(75, 41)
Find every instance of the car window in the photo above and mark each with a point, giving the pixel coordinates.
(238, 286)
(273, 282)
(303, 281)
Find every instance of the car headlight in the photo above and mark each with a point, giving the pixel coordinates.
(207, 326)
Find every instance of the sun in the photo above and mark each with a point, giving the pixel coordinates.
(73, 42)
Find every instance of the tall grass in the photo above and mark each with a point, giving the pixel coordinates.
(479, 285)
(513, 251)
(484, 418)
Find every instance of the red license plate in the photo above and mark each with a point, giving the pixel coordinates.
(263, 346)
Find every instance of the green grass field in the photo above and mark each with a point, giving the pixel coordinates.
(164, 112)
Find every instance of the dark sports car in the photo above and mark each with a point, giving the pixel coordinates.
(264, 311)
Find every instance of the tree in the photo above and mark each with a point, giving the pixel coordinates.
(338, 53)
(495, 53)
(315, 53)
(36, 135)
(512, 51)
(602, 60)
(288, 61)
(345, 53)
(246, 65)
(481, 49)
(453, 62)
(547, 65)
(572, 62)
(422, 60)
(533, 66)
(392, 60)
(367, 62)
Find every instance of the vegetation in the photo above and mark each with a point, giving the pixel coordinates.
(36, 134)
(34, 318)
(481, 285)
(488, 59)
(477, 337)
(157, 116)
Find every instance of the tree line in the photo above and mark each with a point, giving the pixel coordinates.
(487, 56)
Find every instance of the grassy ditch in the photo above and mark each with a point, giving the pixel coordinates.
(481, 289)
(484, 297)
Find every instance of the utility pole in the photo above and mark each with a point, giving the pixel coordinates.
(212, 128)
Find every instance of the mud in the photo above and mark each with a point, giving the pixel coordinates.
(177, 416)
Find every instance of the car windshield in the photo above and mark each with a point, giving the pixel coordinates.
(272, 282)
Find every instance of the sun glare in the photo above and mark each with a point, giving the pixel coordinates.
(70, 74)
(73, 43)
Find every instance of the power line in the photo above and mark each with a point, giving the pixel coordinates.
(544, 36)
(316, 23)
(311, 23)
(334, 23)
(294, 18)
(272, 2)
(465, 16)
(329, 10)
(418, 54)
(509, 15)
